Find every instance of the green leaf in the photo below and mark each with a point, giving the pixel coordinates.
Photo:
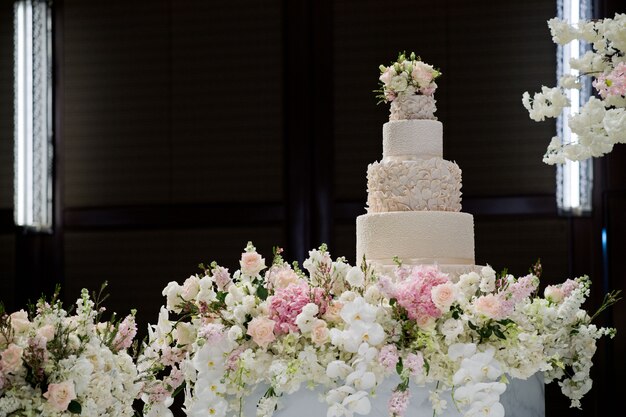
(472, 325)
(399, 366)
(499, 333)
(221, 296)
(392, 301)
(488, 332)
(74, 407)
(262, 292)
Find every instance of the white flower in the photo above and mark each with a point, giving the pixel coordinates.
(338, 369)
(468, 283)
(191, 287)
(161, 409)
(234, 333)
(173, 292)
(615, 125)
(561, 31)
(355, 277)
(451, 329)
(488, 279)
(207, 404)
(461, 350)
(362, 379)
(399, 83)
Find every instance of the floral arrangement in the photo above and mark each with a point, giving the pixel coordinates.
(221, 337)
(407, 77)
(55, 362)
(601, 122)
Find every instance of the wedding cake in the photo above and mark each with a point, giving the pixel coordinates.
(414, 195)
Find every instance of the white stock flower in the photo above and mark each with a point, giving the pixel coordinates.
(451, 329)
(488, 279)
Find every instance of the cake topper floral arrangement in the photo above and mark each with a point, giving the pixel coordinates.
(409, 85)
(601, 122)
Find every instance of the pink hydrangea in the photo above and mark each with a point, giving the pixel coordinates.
(288, 302)
(523, 288)
(414, 293)
(398, 403)
(388, 357)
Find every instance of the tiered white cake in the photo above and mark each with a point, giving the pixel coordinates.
(414, 200)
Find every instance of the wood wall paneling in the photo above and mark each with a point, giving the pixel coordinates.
(116, 108)
(226, 98)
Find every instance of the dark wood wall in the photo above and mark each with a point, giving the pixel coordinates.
(186, 128)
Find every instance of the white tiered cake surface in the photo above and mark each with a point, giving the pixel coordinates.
(413, 138)
(522, 398)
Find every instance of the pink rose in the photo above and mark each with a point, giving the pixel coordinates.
(422, 74)
(333, 311)
(387, 75)
(553, 294)
(488, 305)
(261, 329)
(60, 395)
(319, 332)
(47, 332)
(444, 295)
(251, 263)
(19, 321)
(425, 322)
(11, 359)
(282, 277)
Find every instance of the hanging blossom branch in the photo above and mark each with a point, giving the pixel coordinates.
(601, 122)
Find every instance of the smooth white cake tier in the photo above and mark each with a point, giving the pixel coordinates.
(413, 185)
(413, 138)
(416, 237)
(522, 398)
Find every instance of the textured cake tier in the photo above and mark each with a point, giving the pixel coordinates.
(413, 106)
(416, 237)
(413, 138)
(413, 185)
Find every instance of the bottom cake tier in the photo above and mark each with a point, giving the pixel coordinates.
(416, 237)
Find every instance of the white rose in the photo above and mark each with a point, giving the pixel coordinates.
(191, 287)
(451, 329)
(355, 277)
(19, 321)
(399, 83)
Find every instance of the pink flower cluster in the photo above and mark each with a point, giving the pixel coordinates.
(398, 403)
(212, 332)
(415, 363)
(288, 302)
(388, 357)
(613, 84)
(125, 334)
(415, 292)
(500, 305)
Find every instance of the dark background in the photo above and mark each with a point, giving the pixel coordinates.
(186, 128)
